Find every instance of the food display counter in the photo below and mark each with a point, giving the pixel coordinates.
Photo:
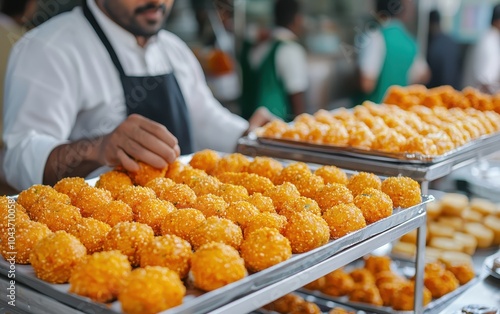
(328, 253)
(253, 292)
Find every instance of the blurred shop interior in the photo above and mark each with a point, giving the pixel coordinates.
(214, 29)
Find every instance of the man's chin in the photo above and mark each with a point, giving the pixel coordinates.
(145, 30)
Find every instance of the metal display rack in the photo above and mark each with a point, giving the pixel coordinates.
(260, 294)
(421, 172)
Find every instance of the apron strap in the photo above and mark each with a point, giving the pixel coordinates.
(93, 22)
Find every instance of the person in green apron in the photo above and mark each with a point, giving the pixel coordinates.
(275, 71)
(390, 55)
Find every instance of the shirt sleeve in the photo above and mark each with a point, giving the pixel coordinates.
(371, 54)
(213, 126)
(39, 109)
(418, 69)
(487, 61)
(291, 64)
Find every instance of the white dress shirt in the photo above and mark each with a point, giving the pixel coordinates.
(483, 63)
(290, 60)
(62, 86)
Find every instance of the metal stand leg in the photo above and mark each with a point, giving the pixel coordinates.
(420, 259)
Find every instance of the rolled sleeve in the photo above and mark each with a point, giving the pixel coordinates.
(25, 158)
(213, 126)
(39, 110)
(220, 131)
(418, 69)
(372, 54)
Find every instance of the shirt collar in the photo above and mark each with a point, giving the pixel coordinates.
(114, 32)
(283, 33)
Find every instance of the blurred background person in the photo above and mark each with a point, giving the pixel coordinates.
(443, 55)
(200, 12)
(15, 19)
(274, 71)
(217, 54)
(390, 54)
(483, 64)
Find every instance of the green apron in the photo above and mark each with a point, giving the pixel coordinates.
(401, 51)
(262, 87)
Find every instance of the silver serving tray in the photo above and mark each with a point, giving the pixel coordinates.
(324, 305)
(198, 302)
(488, 264)
(412, 158)
(404, 267)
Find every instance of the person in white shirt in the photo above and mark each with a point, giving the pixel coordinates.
(483, 64)
(275, 70)
(103, 85)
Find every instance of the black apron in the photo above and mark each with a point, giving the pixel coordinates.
(158, 98)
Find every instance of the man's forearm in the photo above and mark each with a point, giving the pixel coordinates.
(77, 159)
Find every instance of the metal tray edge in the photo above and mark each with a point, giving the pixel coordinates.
(388, 310)
(414, 158)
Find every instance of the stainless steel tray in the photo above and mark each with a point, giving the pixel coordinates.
(324, 305)
(429, 308)
(412, 158)
(196, 302)
(417, 170)
(488, 264)
(432, 307)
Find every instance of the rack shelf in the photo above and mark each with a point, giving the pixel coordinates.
(421, 172)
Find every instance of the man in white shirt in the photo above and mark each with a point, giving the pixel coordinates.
(105, 86)
(275, 71)
(483, 65)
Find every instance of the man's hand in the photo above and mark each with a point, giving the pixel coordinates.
(260, 117)
(139, 138)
